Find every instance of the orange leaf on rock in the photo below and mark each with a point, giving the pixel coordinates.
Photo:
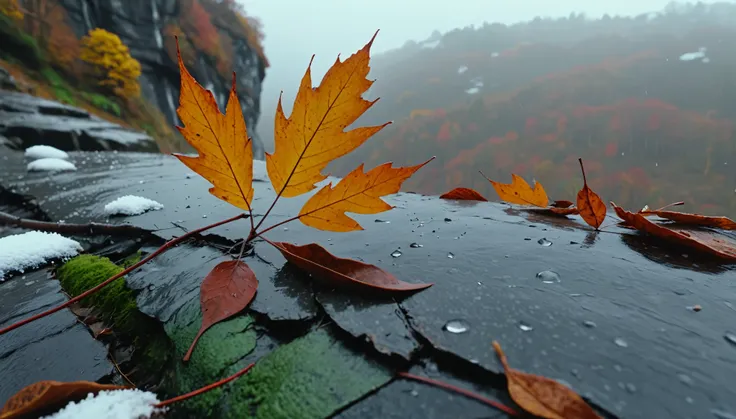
(358, 192)
(519, 192)
(225, 152)
(337, 271)
(226, 291)
(542, 396)
(49, 396)
(724, 223)
(706, 241)
(591, 207)
(315, 133)
(562, 204)
(556, 211)
(463, 194)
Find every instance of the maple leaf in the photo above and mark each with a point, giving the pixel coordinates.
(519, 192)
(724, 223)
(463, 194)
(49, 395)
(315, 134)
(358, 192)
(225, 151)
(542, 396)
(590, 205)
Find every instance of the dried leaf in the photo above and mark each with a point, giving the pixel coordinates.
(591, 207)
(315, 134)
(225, 152)
(337, 271)
(226, 291)
(706, 241)
(519, 192)
(724, 223)
(49, 396)
(357, 192)
(560, 212)
(463, 194)
(562, 204)
(542, 396)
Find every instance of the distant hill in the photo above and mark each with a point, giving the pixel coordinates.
(648, 101)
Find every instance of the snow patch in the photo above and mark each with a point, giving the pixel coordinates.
(690, 56)
(50, 165)
(115, 404)
(132, 205)
(45, 152)
(33, 249)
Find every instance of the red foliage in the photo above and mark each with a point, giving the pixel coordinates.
(444, 135)
(197, 23)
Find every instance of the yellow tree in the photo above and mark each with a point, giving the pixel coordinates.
(11, 9)
(111, 63)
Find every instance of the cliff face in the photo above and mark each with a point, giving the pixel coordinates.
(139, 23)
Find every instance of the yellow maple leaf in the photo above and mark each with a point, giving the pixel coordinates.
(519, 192)
(359, 193)
(225, 151)
(315, 133)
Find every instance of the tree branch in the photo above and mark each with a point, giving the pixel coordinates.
(77, 229)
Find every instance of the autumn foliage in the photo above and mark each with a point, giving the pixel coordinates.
(111, 63)
(11, 9)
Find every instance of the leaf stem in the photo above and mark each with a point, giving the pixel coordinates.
(126, 271)
(259, 234)
(205, 388)
(498, 405)
(585, 181)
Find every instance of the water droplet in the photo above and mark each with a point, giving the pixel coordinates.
(631, 388)
(447, 220)
(416, 245)
(396, 253)
(589, 324)
(286, 228)
(620, 342)
(525, 327)
(456, 326)
(204, 216)
(548, 277)
(414, 393)
(685, 379)
(451, 255)
(730, 337)
(544, 242)
(382, 221)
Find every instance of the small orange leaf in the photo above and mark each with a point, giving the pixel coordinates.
(562, 204)
(49, 396)
(359, 193)
(542, 396)
(225, 152)
(337, 271)
(226, 291)
(519, 192)
(463, 194)
(706, 241)
(724, 223)
(590, 205)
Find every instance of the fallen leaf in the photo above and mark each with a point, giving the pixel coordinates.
(542, 396)
(315, 134)
(49, 396)
(706, 241)
(323, 265)
(591, 207)
(463, 194)
(562, 204)
(226, 291)
(225, 151)
(357, 192)
(560, 212)
(519, 192)
(723, 223)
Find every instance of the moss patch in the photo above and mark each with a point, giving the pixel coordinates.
(311, 377)
(221, 347)
(102, 102)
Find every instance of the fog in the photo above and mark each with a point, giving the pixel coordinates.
(296, 29)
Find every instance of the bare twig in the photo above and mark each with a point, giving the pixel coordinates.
(205, 388)
(80, 229)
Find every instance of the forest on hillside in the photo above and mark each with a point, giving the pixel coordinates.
(649, 102)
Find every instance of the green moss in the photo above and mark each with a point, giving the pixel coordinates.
(102, 102)
(62, 90)
(221, 346)
(311, 377)
(19, 44)
(131, 260)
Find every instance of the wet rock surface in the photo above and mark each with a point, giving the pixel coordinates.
(607, 313)
(27, 120)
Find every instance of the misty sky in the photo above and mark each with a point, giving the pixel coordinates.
(296, 29)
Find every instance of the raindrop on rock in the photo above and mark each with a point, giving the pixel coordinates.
(525, 327)
(451, 255)
(396, 253)
(685, 379)
(730, 337)
(416, 245)
(620, 342)
(456, 326)
(548, 277)
(631, 388)
(447, 220)
(382, 221)
(544, 242)
(589, 324)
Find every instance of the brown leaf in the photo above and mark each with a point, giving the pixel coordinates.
(560, 212)
(316, 260)
(226, 291)
(562, 204)
(542, 396)
(706, 241)
(724, 223)
(463, 194)
(49, 396)
(590, 205)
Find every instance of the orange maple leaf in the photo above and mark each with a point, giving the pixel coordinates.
(49, 395)
(225, 152)
(519, 192)
(315, 133)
